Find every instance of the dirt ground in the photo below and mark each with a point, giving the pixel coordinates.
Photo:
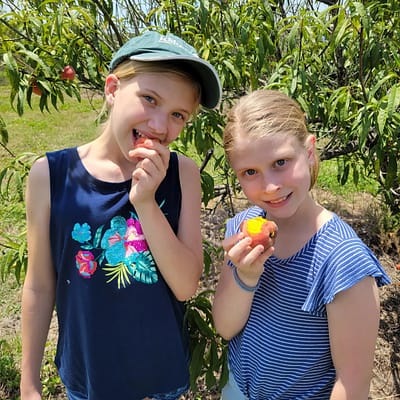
(364, 215)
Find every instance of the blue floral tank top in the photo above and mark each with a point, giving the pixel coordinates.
(121, 333)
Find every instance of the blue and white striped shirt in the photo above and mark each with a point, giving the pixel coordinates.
(283, 352)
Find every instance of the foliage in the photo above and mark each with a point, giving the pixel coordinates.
(13, 244)
(208, 350)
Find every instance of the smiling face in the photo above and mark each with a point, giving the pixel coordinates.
(274, 172)
(152, 105)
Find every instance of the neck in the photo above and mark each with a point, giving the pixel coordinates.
(295, 232)
(104, 163)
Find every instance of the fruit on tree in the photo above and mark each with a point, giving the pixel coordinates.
(35, 88)
(68, 73)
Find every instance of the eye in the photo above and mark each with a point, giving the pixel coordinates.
(179, 116)
(280, 163)
(250, 172)
(149, 99)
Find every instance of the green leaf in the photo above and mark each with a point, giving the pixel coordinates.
(11, 70)
(345, 174)
(204, 328)
(196, 363)
(97, 236)
(360, 9)
(211, 381)
(382, 117)
(380, 84)
(393, 101)
(392, 171)
(3, 132)
(224, 371)
(341, 30)
(207, 186)
(232, 69)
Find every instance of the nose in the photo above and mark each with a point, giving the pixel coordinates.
(271, 184)
(158, 122)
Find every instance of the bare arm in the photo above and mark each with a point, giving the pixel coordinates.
(39, 285)
(179, 257)
(353, 319)
(232, 304)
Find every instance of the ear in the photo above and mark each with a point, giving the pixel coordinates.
(110, 88)
(311, 148)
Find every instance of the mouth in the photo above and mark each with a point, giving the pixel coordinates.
(280, 200)
(139, 137)
(137, 134)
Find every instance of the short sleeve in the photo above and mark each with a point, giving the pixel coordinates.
(346, 265)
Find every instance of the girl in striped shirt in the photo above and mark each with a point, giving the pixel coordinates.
(302, 315)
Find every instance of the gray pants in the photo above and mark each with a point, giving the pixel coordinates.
(231, 390)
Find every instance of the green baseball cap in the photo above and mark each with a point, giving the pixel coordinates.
(152, 46)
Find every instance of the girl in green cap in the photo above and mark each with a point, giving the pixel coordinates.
(114, 235)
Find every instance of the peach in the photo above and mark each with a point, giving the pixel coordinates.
(260, 230)
(68, 73)
(139, 142)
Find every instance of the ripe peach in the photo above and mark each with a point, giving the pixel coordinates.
(68, 73)
(36, 90)
(139, 142)
(260, 230)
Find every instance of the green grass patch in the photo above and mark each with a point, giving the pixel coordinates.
(73, 124)
(328, 180)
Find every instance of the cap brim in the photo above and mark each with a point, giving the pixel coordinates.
(211, 90)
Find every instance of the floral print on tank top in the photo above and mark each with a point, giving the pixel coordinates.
(122, 251)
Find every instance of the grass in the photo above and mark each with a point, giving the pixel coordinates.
(39, 132)
(328, 180)
(36, 132)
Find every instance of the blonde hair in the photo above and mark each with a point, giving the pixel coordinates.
(267, 112)
(130, 68)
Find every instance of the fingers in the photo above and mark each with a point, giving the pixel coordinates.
(230, 241)
(152, 164)
(149, 167)
(249, 260)
(154, 151)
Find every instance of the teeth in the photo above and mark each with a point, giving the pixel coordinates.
(137, 134)
(278, 201)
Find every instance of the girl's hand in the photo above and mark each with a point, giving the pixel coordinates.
(232, 304)
(248, 261)
(151, 168)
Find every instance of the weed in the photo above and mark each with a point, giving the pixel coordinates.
(9, 371)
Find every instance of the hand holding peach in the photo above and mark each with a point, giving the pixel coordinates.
(260, 230)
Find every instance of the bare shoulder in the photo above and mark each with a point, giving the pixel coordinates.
(188, 169)
(189, 175)
(38, 185)
(187, 162)
(40, 273)
(39, 170)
